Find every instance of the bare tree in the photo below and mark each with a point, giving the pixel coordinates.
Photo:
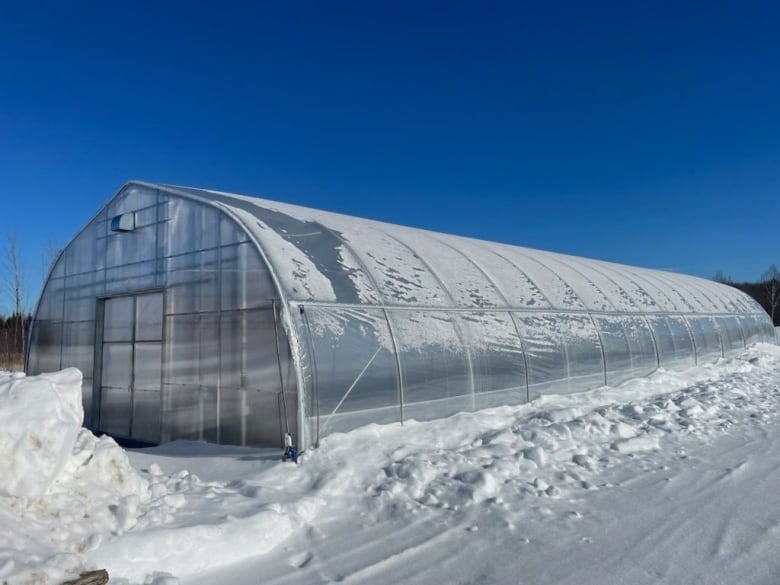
(15, 285)
(771, 281)
(51, 252)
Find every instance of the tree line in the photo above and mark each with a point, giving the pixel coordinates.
(13, 340)
(766, 290)
(14, 301)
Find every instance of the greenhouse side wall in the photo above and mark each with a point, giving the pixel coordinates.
(389, 365)
(174, 324)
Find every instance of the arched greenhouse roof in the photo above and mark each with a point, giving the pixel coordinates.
(324, 257)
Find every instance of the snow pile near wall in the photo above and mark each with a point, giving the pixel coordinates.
(39, 420)
(61, 488)
(72, 502)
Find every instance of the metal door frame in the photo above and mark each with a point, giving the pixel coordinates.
(97, 380)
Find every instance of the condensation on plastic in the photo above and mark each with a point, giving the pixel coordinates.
(378, 323)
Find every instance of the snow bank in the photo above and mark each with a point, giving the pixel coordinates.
(40, 418)
(62, 490)
(380, 503)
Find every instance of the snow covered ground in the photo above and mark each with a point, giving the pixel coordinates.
(670, 479)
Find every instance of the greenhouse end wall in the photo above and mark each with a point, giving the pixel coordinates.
(175, 325)
(276, 316)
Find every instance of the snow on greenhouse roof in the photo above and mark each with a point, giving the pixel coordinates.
(321, 256)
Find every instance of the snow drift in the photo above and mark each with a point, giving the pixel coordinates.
(61, 488)
(540, 490)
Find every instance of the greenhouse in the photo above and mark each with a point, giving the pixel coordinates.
(206, 315)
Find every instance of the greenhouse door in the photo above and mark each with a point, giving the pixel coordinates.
(131, 366)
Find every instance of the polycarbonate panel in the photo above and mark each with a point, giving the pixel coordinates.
(146, 217)
(234, 396)
(751, 329)
(262, 369)
(190, 412)
(617, 354)
(146, 391)
(115, 391)
(545, 354)
(131, 277)
(181, 419)
(462, 278)
(707, 338)
(86, 401)
(655, 289)
(147, 366)
(233, 349)
(183, 284)
(577, 277)
(117, 365)
(262, 373)
(118, 319)
(497, 358)
(644, 358)
(149, 317)
(675, 346)
(115, 411)
(628, 347)
(726, 298)
(78, 349)
(563, 352)
(434, 365)
(402, 277)
(58, 270)
(513, 284)
(585, 362)
(46, 347)
(230, 232)
(132, 198)
(193, 281)
(356, 368)
(674, 289)
(123, 248)
(767, 329)
(633, 292)
(83, 254)
(208, 353)
(209, 281)
(191, 227)
(80, 297)
(245, 279)
(731, 334)
(615, 294)
(50, 307)
(146, 416)
(555, 289)
(182, 368)
(696, 297)
(683, 341)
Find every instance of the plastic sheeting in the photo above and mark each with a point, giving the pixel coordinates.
(277, 316)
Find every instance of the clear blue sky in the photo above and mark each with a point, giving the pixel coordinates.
(643, 133)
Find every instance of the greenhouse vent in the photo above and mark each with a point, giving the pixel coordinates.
(204, 315)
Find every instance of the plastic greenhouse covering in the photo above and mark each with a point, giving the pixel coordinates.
(207, 315)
